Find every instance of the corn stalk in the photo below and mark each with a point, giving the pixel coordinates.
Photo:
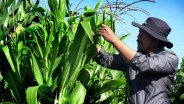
(48, 54)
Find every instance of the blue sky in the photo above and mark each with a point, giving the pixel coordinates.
(170, 11)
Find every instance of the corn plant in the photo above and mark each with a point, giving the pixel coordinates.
(15, 69)
(46, 54)
(104, 85)
(177, 95)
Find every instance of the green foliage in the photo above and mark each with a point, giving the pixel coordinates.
(31, 95)
(177, 95)
(46, 55)
(16, 15)
(78, 94)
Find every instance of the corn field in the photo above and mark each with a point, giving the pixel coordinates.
(46, 54)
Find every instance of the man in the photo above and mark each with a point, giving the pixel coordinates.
(150, 70)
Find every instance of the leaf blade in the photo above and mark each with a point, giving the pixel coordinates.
(31, 95)
(9, 58)
(14, 85)
(36, 71)
(78, 94)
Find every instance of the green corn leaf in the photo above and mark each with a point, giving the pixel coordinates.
(70, 34)
(52, 4)
(45, 93)
(65, 93)
(37, 71)
(78, 94)
(30, 16)
(3, 15)
(37, 2)
(56, 62)
(180, 74)
(32, 3)
(14, 85)
(111, 85)
(88, 14)
(182, 63)
(91, 51)
(37, 31)
(40, 44)
(20, 14)
(1, 77)
(20, 46)
(49, 44)
(122, 38)
(181, 97)
(9, 58)
(51, 70)
(54, 84)
(15, 6)
(113, 26)
(62, 9)
(54, 59)
(87, 27)
(58, 8)
(100, 20)
(78, 47)
(31, 95)
(97, 6)
(39, 10)
(64, 44)
(108, 100)
(32, 28)
(117, 74)
(8, 3)
(111, 22)
(104, 16)
(72, 65)
(85, 76)
(102, 73)
(64, 77)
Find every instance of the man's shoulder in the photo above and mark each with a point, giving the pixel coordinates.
(168, 52)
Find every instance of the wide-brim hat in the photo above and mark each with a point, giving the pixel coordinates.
(156, 28)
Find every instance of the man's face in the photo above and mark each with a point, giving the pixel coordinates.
(143, 40)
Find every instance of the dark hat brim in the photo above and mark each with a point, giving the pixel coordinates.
(168, 44)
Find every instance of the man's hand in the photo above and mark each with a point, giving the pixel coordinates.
(126, 53)
(107, 34)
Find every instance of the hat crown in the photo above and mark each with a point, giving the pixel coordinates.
(158, 25)
(156, 28)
